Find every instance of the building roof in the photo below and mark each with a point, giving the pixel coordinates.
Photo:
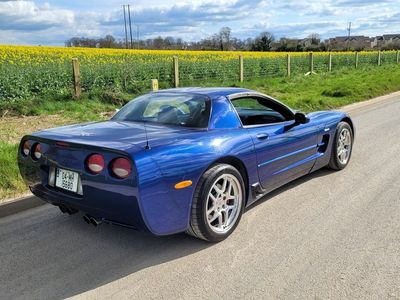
(352, 38)
(391, 36)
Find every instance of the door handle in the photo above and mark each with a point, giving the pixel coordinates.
(262, 136)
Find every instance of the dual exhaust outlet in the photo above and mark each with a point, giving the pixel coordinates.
(67, 210)
(88, 219)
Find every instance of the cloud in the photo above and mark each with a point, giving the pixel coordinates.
(27, 16)
(359, 3)
(35, 21)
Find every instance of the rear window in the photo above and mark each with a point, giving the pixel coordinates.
(180, 109)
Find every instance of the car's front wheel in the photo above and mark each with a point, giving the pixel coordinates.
(218, 203)
(342, 147)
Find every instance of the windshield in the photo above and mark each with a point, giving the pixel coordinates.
(182, 109)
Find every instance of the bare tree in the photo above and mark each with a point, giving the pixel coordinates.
(314, 38)
(225, 38)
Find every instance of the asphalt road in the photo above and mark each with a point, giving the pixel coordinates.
(329, 235)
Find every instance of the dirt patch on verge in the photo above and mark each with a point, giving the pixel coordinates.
(12, 129)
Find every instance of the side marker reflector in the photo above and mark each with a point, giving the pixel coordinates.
(183, 184)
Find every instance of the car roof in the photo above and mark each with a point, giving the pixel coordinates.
(211, 92)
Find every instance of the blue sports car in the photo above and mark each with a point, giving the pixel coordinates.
(182, 160)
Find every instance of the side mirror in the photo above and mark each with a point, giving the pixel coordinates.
(300, 118)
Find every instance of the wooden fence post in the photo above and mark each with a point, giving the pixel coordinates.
(154, 84)
(288, 64)
(398, 56)
(176, 71)
(356, 60)
(77, 78)
(311, 72)
(330, 62)
(241, 70)
(379, 58)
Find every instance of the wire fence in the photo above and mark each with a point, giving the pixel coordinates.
(132, 74)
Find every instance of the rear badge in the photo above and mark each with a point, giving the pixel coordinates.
(83, 133)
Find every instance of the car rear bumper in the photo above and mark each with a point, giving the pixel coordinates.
(101, 196)
(109, 208)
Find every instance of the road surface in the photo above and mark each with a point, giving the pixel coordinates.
(329, 235)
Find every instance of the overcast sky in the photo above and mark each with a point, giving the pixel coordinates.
(52, 22)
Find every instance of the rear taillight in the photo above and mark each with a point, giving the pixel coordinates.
(25, 148)
(121, 168)
(95, 163)
(37, 151)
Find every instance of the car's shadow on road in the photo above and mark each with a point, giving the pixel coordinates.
(57, 256)
(48, 255)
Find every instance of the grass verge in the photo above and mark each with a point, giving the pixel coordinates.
(330, 90)
(10, 180)
(317, 92)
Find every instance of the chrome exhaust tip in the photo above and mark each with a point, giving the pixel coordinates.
(95, 222)
(62, 208)
(86, 218)
(71, 210)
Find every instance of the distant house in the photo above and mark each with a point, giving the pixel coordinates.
(385, 40)
(391, 38)
(352, 42)
(308, 42)
(377, 42)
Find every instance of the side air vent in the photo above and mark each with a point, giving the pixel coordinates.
(323, 145)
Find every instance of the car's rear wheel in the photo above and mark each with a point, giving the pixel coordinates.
(218, 203)
(342, 147)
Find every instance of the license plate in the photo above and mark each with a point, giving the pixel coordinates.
(67, 180)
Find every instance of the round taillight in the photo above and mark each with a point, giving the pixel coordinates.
(121, 168)
(25, 148)
(37, 151)
(95, 163)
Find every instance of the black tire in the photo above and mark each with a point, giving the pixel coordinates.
(334, 162)
(199, 226)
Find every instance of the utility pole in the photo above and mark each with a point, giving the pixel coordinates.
(130, 25)
(126, 31)
(137, 36)
(348, 37)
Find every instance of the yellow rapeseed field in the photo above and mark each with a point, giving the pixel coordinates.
(43, 54)
(31, 70)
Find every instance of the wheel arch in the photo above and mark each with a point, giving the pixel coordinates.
(350, 122)
(239, 165)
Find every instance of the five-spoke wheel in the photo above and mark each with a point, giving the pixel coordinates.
(341, 147)
(223, 203)
(218, 203)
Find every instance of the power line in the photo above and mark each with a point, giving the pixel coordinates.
(130, 25)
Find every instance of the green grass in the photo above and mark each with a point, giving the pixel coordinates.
(317, 92)
(10, 180)
(88, 108)
(330, 90)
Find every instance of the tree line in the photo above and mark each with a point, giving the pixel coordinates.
(221, 41)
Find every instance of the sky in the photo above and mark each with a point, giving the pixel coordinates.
(52, 22)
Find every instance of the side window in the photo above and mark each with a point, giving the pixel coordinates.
(258, 111)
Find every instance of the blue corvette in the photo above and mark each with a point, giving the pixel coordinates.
(182, 160)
